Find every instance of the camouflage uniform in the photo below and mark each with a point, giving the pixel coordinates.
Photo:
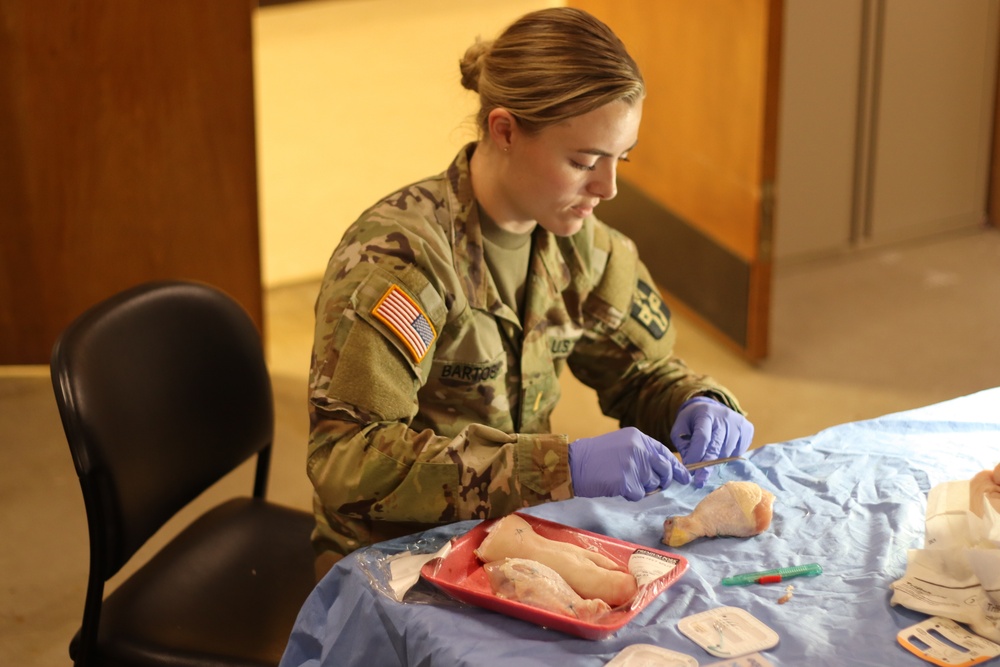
(430, 400)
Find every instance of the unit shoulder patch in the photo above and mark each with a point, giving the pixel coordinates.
(650, 311)
(406, 319)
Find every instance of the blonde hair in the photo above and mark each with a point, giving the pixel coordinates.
(548, 66)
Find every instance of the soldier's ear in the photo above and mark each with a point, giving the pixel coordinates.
(501, 125)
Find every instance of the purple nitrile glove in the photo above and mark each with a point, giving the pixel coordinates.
(625, 463)
(706, 430)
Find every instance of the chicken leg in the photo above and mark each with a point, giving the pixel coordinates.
(735, 509)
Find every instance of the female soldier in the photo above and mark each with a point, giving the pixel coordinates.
(450, 307)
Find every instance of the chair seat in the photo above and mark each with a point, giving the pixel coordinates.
(225, 589)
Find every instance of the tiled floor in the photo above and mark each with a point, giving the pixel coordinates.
(854, 337)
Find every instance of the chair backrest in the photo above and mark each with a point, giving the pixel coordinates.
(162, 390)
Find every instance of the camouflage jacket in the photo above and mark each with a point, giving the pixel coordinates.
(430, 401)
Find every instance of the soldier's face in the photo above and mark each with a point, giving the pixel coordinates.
(560, 174)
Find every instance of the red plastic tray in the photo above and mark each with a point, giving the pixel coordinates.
(460, 574)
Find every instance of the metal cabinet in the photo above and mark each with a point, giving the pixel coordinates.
(886, 121)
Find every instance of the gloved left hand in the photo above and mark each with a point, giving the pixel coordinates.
(706, 430)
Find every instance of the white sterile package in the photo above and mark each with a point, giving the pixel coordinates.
(752, 660)
(728, 632)
(957, 573)
(650, 655)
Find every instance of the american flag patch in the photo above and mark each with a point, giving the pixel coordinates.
(405, 319)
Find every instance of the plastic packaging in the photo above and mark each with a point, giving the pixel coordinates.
(650, 655)
(460, 574)
(751, 660)
(728, 632)
(944, 642)
(957, 573)
(376, 564)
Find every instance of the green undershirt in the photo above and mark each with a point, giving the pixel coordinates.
(508, 256)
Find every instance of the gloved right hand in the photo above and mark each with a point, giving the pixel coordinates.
(705, 430)
(625, 463)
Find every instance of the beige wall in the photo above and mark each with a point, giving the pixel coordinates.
(356, 98)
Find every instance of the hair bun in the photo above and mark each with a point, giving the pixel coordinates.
(471, 64)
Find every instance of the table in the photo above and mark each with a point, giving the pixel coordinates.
(852, 498)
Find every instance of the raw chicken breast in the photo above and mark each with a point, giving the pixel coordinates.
(735, 509)
(985, 488)
(589, 573)
(538, 585)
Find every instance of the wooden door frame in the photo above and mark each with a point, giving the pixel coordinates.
(705, 229)
(993, 184)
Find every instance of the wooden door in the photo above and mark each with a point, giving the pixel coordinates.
(127, 154)
(698, 195)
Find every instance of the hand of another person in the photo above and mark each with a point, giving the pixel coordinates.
(625, 463)
(706, 430)
(984, 489)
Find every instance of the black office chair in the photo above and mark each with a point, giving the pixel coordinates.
(163, 390)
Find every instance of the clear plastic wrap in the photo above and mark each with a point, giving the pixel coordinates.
(378, 565)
